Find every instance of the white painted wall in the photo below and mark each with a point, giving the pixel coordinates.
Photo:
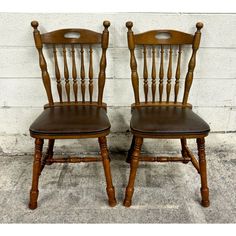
(21, 91)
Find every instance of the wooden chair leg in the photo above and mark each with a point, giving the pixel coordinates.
(49, 153)
(183, 150)
(203, 172)
(50, 149)
(106, 165)
(36, 172)
(133, 169)
(128, 159)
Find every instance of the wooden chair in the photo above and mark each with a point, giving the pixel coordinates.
(71, 119)
(162, 118)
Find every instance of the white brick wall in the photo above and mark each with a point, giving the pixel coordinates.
(21, 91)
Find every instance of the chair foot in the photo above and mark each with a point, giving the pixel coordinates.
(128, 197)
(205, 203)
(127, 203)
(205, 197)
(33, 199)
(111, 197)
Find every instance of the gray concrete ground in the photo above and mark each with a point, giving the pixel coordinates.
(164, 193)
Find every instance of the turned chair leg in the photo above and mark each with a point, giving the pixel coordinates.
(133, 169)
(128, 159)
(203, 172)
(106, 165)
(183, 151)
(36, 172)
(49, 154)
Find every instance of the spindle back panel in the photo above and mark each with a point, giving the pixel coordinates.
(162, 64)
(71, 53)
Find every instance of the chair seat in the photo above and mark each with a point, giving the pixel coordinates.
(71, 120)
(167, 120)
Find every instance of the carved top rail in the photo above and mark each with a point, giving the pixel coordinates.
(72, 36)
(163, 37)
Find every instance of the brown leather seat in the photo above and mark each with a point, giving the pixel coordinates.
(167, 120)
(71, 120)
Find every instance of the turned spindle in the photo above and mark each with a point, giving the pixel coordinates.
(169, 75)
(66, 74)
(153, 74)
(145, 73)
(161, 74)
(74, 74)
(177, 74)
(57, 73)
(90, 74)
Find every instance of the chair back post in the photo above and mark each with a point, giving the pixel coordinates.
(42, 61)
(192, 62)
(133, 63)
(103, 62)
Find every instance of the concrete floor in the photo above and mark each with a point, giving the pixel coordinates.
(75, 193)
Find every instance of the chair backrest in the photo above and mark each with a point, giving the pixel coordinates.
(72, 41)
(158, 40)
